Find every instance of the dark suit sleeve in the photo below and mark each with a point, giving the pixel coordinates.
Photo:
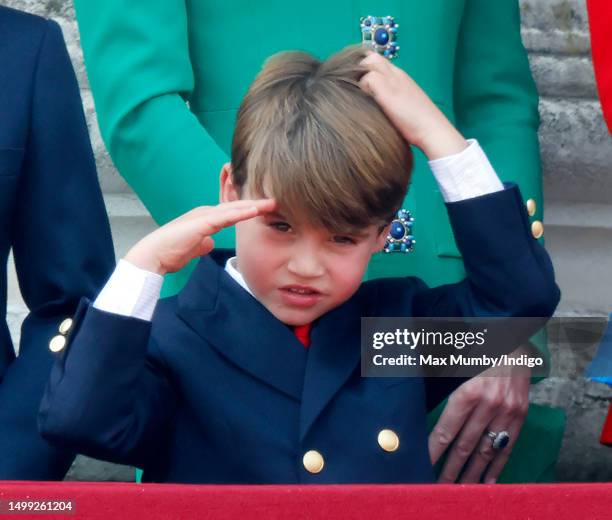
(62, 248)
(109, 396)
(508, 273)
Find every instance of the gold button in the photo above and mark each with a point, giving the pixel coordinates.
(388, 440)
(57, 343)
(313, 461)
(65, 326)
(531, 207)
(537, 229)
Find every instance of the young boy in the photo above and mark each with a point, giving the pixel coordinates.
(218, 388)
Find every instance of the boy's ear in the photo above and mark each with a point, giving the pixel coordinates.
(382, 238)
(227, 191)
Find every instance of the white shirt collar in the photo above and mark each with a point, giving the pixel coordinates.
(230, 268)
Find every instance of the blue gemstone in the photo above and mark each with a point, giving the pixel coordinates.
(503, 442)
(397, 230)
(381, 36)
(367, 22)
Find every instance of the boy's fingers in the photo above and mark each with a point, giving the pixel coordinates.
(374, 61)
(365, 84)
(204, 210)
(371, 83)
(244, 202)
(214, 222)
(199, 229)
(208, 220)
(206, 246)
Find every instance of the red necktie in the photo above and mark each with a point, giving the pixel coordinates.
(302, 333)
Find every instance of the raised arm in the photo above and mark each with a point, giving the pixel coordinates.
(108, 397)
(508, 272)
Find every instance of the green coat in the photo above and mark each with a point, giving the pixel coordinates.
(168, 76)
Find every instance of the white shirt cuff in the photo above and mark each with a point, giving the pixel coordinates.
(130, 291)
(465, 175)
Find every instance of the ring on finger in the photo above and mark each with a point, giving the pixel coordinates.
(499, 440)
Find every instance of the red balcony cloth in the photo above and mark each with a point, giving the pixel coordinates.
(600, 23)
(163, 501)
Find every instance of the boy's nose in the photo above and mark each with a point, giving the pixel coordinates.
(305, 264)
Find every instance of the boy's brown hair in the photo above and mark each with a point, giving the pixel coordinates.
(319, 144)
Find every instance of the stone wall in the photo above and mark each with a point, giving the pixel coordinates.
(577, 159)
(576, 155)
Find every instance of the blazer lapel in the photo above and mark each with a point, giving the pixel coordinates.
(240, 328)
(333, 355)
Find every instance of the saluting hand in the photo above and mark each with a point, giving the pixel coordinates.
(171, 247)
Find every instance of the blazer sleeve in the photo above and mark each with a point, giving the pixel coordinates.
(508, 273)
(139, 69)
(496, 100)
(108, 395)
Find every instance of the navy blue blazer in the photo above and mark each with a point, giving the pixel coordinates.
(217, 390)
(52, 216)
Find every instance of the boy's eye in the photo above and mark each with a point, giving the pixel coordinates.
(343, 240)
(283, 227)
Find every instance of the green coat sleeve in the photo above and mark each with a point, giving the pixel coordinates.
(495, 97)
(139, 69)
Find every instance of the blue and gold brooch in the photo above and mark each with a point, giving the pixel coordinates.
(379, 33)
(400, 238)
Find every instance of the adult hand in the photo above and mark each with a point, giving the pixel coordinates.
(489, 402)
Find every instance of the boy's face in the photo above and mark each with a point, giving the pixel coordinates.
(273, 255)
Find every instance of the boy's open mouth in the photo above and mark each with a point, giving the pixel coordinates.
(299, 296)
(300, 289)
